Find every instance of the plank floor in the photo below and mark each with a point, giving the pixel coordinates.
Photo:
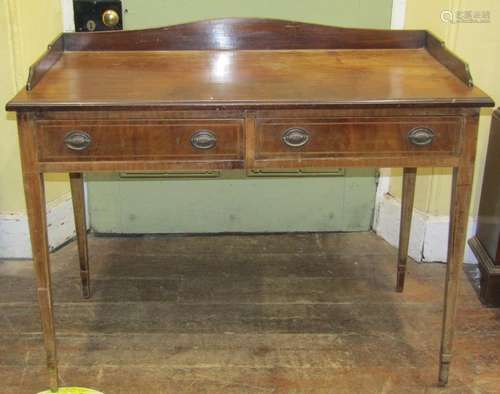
(290, 313)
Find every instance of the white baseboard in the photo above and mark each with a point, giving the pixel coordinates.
(14, 232)
(429, 234)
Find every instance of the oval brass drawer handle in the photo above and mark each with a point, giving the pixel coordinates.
(204, 139)
(77, 140)
(421, 136)
(296, 137)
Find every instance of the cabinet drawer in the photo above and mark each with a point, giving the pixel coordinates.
(179, 140)
(357, 137)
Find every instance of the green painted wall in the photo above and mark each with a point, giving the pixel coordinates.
(356, 13)
(229, 203)
(343, 203)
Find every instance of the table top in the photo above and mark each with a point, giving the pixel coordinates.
(246, 76)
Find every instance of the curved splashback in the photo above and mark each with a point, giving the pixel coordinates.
(244, 33)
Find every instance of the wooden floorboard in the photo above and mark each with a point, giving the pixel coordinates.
(291, 313)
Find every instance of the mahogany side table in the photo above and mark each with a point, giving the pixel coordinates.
(247, 94)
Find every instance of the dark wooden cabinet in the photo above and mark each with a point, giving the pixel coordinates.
(486, 243)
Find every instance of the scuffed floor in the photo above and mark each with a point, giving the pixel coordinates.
(291, 313)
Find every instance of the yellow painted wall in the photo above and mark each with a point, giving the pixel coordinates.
(26, 27)
(479, 45)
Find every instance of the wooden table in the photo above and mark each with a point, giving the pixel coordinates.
(247, 94)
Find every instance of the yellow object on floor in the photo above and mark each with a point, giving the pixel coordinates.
(72, 390)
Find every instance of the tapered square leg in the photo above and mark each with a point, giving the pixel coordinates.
(461, 192)
(35, 202)
(409, 178)
(460, 201)
(77, 193)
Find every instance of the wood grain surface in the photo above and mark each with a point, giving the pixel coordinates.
(248, 79)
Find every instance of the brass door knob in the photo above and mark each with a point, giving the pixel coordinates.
(110, 18)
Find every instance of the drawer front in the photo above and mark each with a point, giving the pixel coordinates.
(181, 140)
(357, 137)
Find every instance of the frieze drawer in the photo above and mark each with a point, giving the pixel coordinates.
(359, 137)
(179, 140)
